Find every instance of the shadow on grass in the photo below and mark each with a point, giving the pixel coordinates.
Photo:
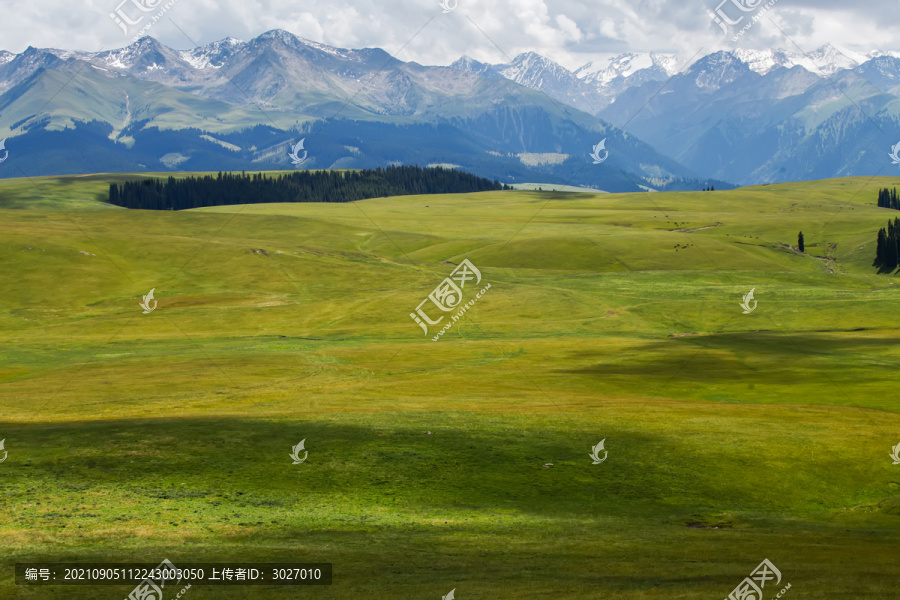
(771, 357)
(389, 462)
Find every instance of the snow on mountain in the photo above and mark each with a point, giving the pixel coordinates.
(717, 70)
(765, 61)
(670, 63)
(878, 53)
(293, 42)
(214, 55)
(533, 70)
(146, 54)
(829, 60)
(590, 88)
(882, 71)
(826, 60)
(324, 47)
(23, 65)
(626, 65)
(526, 69)
(470, 65)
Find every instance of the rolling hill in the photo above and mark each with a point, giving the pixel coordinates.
(464, 463)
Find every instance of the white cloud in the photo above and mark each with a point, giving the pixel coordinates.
(569, 28)
(570, 31)
(609, 30)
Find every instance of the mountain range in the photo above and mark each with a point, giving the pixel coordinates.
(744, 116)
(667, 123)
(235, 105)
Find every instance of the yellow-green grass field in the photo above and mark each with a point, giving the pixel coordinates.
(731, 437)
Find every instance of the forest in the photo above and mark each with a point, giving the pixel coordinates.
(298, 186)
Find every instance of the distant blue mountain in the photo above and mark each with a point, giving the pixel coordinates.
(743, 116)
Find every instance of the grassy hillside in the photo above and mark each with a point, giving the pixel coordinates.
(731, 437)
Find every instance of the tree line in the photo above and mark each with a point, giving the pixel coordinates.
(298, 186)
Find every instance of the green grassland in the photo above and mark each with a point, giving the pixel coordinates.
(731, 437)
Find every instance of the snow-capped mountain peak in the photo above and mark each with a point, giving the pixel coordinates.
(625, 65)
(531, 67)
(717, 70)
(826, 60)
(470, 65)
(765, 61)
(214, 55)
(144, 53)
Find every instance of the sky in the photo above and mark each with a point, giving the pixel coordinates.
(571, 32)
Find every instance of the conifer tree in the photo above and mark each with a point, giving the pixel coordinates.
(887, 247)
(888, 199)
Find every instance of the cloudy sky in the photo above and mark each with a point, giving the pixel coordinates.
(569, 31)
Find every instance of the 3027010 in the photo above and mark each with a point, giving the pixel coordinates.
(296, 574)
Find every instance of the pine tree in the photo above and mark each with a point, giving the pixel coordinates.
(887, 248)
(800, 243)
(888, 199)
